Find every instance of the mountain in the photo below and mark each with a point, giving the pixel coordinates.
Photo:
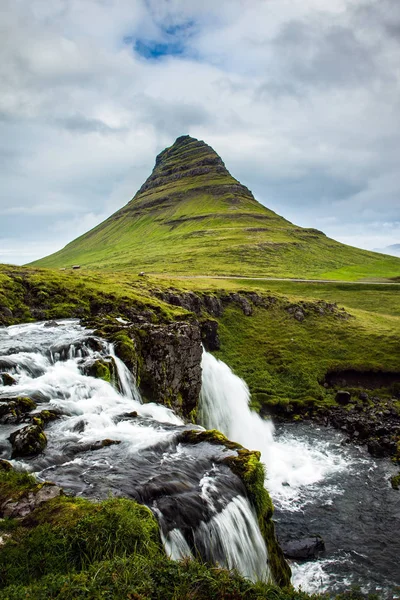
(191, 216)
(393, 250)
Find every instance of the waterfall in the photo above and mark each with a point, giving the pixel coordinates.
(293, 465)
(106, 441)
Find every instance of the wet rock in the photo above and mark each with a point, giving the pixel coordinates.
(343, 397)
(209, 335)
(23, 506)
(101, 368)
(93, 446)
(7, 379)
(363, 396)
(15, 410)
(170, 365)
(395, 481)
(303, 549)
(51, 324)
(28, 441)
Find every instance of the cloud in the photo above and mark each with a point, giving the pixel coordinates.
(300, 98)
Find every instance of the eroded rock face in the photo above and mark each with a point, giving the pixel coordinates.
(170, 365)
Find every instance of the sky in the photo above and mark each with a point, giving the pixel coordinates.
(299, 97)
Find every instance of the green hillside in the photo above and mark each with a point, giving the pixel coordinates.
(192, 217)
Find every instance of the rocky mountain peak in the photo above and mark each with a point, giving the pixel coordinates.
(187, 157)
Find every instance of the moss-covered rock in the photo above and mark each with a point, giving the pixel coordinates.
(395, 481)
(15, 410)
(247, 466)
(28, 441)
(7, 379)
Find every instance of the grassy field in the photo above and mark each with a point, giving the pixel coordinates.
(282, 360)
(193, 217)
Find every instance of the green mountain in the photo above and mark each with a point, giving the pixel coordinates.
(192, 217)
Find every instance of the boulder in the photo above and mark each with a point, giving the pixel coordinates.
(303, 549)
(21, 507)
(28, 441)
(7, 379)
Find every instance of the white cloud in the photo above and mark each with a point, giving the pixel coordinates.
(300, 98)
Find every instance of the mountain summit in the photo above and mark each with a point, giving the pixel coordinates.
(192, 217)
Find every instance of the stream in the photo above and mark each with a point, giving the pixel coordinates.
(318, 484)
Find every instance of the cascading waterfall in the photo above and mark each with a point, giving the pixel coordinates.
(293, 465)
(200, 504)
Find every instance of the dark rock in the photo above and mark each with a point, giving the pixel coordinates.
(363, 396)
(15, 410)
(7, 379)
(303, 549)
(299, 315)
(170, 365)
(28, 441)
(51, 324)
(343, 397)
(23, 506)
(209, 335)
(213, 305)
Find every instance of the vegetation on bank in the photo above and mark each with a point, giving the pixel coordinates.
(71, 548)
(283, 360)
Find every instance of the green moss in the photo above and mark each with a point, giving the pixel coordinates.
(212, 436)
(125, 350)
(395, 481)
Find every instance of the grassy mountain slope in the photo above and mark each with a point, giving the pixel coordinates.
(192, 217)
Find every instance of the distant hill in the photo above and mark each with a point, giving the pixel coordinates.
(393, 250)
(192, 217)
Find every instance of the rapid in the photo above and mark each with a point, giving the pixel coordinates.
(318, 485)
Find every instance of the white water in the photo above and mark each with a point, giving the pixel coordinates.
(293, 465)
(48, 364)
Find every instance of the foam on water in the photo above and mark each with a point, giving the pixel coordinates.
(294, 466)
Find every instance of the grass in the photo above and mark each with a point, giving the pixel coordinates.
(282, 360)
(191, 222)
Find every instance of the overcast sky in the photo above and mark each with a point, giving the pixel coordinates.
(299, 97)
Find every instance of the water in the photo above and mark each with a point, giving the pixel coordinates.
(200, 504)
(319, 486)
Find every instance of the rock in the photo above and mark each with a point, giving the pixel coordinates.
(7, 379)
(20, 508)
(303, 549)
(213, 305)
(15, 410)
(209, 335)
(170, 365)
(299, 315)
(395, 481)
(28, 441)
(51, 324)
(363, 396)
(6, 312)
(343, 397)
